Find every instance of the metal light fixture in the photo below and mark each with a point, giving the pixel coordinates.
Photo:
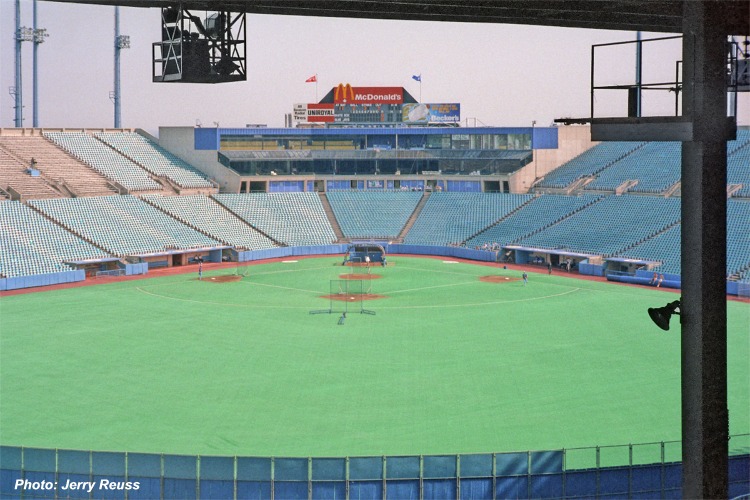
(662, 315)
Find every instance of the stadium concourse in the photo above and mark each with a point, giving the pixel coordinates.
(84, 203)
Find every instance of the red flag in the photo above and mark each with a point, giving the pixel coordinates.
(313, 78)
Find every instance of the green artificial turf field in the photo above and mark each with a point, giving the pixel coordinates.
(448, 364)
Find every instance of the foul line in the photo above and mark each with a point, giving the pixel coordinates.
(443, 306)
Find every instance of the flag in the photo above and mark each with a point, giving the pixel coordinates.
(312, 79)
(417, 77)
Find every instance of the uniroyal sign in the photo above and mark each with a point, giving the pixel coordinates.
(346, 94)
(314, 113)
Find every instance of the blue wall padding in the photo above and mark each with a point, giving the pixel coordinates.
(42, 279)
(590, 269)
(476, 465)
(614, 481)
(39, 459)
(739, 468)
(212, 488)
(253, 469)
(144, 464)
(217, 468)
(179, 489)
(438, 489)
(62, 480)
(148, 488)
(403, 490)
(512, 487)
(289, 490)
(108, 494)
(329, 469)
(108, 463)
(435, 466)
(365, 490)
(10, 457)
(290, 469)
(511, 464)
(476, 489)
(254, 490)
(8, 483)
(180, 466)
(365, 468)
(547, 486)
(673, 475)
(402, 467)
(580, 483)
(546, 461)
(329, 490)
(646, 478)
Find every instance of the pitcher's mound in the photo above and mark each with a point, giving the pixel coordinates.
(498, 279)
(353, 297)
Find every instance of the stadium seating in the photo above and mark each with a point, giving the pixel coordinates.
(105, 160)
(738, 238)
(588, 163)
(609, 226)
(57, 165)
(124, 225)
(451, 218)
(14, 176)
(31, 244)
(367, 214)
(663, 247)
(211, 218)
(294, 219)
(656, 166)
(155, 159)
(532, 217)
(738, 163)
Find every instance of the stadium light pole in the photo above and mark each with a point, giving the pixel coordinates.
(19, 82)
(121, 42)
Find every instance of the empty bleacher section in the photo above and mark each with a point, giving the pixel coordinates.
(738, 163)
(156, 159)
(656, 166)
(663, 247)
(30, 244)
(450, 218)
(57, 166)
(588, 163)
(105, 160)
(738, 238)
(16, 181)
(366, 214)
(211, 218)
(123, 225)
(294, 219)
(539, 213)
(608, 226)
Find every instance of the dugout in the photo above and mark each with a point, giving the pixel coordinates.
(356, 252)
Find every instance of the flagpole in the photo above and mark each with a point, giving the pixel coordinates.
(316, 87)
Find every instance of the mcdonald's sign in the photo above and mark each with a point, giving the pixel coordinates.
(346, 94)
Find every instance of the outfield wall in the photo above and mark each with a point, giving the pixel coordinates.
(44, 473)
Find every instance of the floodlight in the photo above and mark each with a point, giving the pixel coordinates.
(662, 315)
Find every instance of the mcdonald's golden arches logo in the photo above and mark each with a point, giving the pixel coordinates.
(343, 92)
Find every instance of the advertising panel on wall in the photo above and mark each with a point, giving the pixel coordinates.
(314, 113)
(428, 113)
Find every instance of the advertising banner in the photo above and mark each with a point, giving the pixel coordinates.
(346, 94)
(427, 113)
(314, 113)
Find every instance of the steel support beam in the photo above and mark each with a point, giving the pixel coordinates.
(705, 421)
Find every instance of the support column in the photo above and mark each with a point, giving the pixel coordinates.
(705, 421)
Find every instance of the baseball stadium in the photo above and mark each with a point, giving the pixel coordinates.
(373, 302)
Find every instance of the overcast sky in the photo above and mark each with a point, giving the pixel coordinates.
(502, 75)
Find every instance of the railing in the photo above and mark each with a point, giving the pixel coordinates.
(627, 471)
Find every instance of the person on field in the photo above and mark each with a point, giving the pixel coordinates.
(525, 278)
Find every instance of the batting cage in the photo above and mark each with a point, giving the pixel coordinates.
(347, 296)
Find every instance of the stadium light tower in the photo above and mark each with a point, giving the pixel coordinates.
(121, 42)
